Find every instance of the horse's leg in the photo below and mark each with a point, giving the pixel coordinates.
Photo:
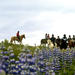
(14, 42)
(20, 43)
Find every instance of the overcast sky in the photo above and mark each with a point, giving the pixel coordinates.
(34, 18)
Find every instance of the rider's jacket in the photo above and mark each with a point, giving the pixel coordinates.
(65, 40)
(17, 34)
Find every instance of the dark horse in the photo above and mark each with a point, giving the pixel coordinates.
(63, 44)
(44, 41)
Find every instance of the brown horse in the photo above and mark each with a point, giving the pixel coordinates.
(71, 43)
(14, 38)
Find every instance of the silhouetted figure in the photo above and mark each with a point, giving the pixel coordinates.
(73, 37)
(69, 38)
(53, 39)
(46, 37)
(70, 43)
(64, 42)
(58, 40)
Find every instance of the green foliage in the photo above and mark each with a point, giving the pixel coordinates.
(6, 43)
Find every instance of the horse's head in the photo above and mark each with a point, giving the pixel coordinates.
(23, 35)
(49, 41)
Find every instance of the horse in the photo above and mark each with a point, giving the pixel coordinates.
(63, 44)
(71, 43)
(44, 41)
(47, 42)
(14, 38)
(50, 44)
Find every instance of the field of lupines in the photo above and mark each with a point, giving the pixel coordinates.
(24, 60)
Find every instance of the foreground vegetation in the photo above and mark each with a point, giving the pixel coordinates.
(46, 61)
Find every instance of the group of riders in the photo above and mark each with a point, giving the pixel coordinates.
(63, 42)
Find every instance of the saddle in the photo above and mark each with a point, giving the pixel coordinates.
(18, 38)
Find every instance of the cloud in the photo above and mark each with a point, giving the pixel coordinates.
(33, 38)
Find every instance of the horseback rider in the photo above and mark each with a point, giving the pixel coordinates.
(64, 42)
(69, 38)
(74, 37)
(46, 36)
(65, 38)
(58, 41)
(18, 36)
(53, 39)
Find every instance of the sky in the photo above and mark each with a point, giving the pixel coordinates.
(34, 18)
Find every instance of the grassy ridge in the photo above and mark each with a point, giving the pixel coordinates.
(17, 48)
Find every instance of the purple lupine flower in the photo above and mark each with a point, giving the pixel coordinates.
(29, 56)
(6, 57)
(6, 52)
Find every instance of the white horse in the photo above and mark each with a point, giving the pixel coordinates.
(51, 45)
